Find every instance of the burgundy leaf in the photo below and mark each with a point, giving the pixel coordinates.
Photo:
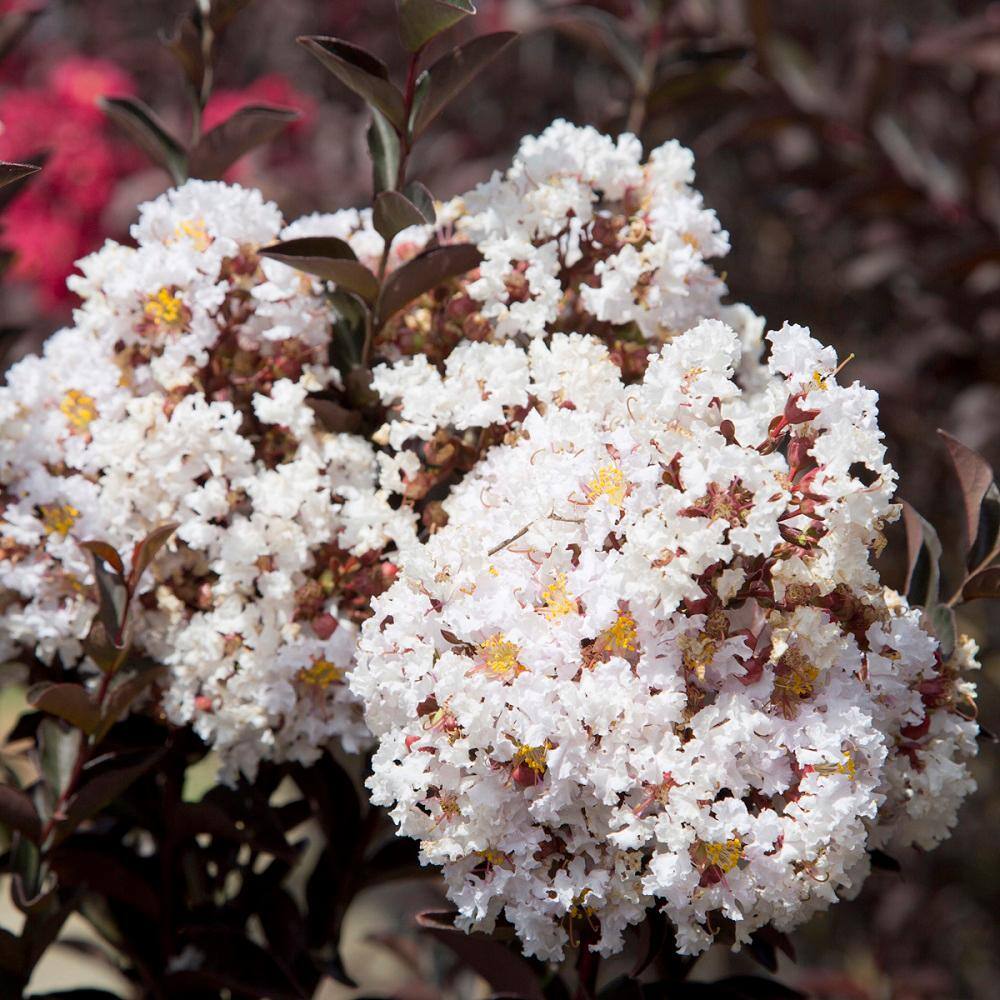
(248, 128)
(149, 133)
(328, 258)
(923, 555)
(71, 702)
(502, 968)
(985, 583)
(980, 498)
(452, 73)
(361, 72)
(422, 20)
(424, 272)
(145, 552)
(17, 812)
(394, 212)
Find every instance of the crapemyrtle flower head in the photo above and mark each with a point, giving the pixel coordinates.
(182, 393)
(647, 660)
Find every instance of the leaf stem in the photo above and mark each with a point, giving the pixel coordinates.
(587, 964)
(647, 73)
(405, 147)
(82, 756)
(956, 598)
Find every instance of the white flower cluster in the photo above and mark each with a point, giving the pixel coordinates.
(580, 229)
(181, 395)
(647, 660)
(641, 657)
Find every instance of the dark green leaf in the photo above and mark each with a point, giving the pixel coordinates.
(149, 133)
(18, 812)
(58, 749)
(361, 72)
(980, 498)
(329, 258)
(393, 213)
(424, 272)
(453, 72)
(146, 551)
(985, 583)
(422, 20)
(423, 199)
(923, 557)
(248, 128)
(383, 145)
(66, 701)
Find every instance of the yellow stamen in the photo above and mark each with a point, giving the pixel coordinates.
(725, 856)
(798, 680)
(609, 481)
(533, 757)
(321, 674)
(78, 408)
(819, 381)
(847, 766)
(621, 634)
(59, 518)
(501, 656)
(194, 231)
(165, 309)
(496, 858)
(580, 908)
(557, 602)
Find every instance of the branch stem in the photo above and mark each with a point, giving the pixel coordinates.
(647, 74)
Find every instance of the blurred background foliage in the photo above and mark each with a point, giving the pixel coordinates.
(851, 149)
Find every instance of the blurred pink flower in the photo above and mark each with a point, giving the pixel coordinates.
(58, 216)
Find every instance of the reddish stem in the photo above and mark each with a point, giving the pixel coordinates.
(587, 964)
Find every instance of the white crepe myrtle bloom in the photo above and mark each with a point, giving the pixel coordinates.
(182, 395)
(647, 661)
(580, 229)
